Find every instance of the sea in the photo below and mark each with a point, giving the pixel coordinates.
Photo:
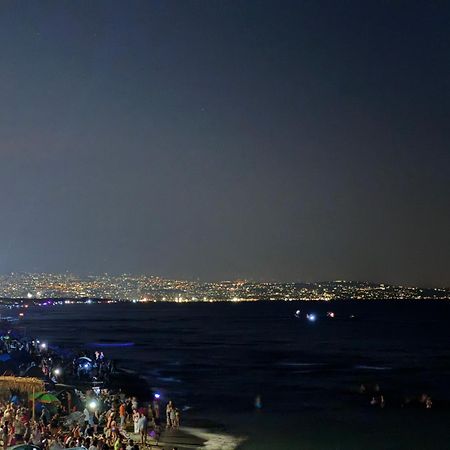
(214, 359)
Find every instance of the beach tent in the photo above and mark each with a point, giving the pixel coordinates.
(23, 385)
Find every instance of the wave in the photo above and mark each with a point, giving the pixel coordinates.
(169, 379)
(364, 367)
(301, 364)
(215, 441)
(111, 344)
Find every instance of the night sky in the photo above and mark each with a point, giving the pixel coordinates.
(305, 140)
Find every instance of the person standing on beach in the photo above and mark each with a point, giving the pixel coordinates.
(155, 407)
(114, 430)
(136, 417)
(27, 434)
(129, 410)
(36, 436)
(45, 416)
(5, 435)
(169, 409)
(173, 417)
(258, 402)
(117, 443)
(122, 413)
(177, 418)
(143, 428)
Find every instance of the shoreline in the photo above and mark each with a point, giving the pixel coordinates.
(215, 440)
(131, 383)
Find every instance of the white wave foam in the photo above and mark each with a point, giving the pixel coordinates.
(169, 379)
(364, 367)
(306, 364)
(216, 441)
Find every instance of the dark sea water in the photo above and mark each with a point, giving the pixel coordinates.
(215, 358)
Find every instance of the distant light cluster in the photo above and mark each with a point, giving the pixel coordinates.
(45, 288)
(51, 288)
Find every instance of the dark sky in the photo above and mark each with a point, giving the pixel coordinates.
(305, 140)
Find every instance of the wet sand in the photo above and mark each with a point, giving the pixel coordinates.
(188, 438)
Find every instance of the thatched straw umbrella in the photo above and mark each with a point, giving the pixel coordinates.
(23, 385)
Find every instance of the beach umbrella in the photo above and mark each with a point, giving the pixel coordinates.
(85, 362)
(84, 358)
(24, 447)
(45, 397)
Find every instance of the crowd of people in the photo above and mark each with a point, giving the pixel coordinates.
(104, 424)
(92, 418)
(378, 398)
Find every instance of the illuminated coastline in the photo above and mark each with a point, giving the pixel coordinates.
(40, 288)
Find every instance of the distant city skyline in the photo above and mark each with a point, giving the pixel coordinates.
(236, 279)
(216, 140)
(132, 286)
